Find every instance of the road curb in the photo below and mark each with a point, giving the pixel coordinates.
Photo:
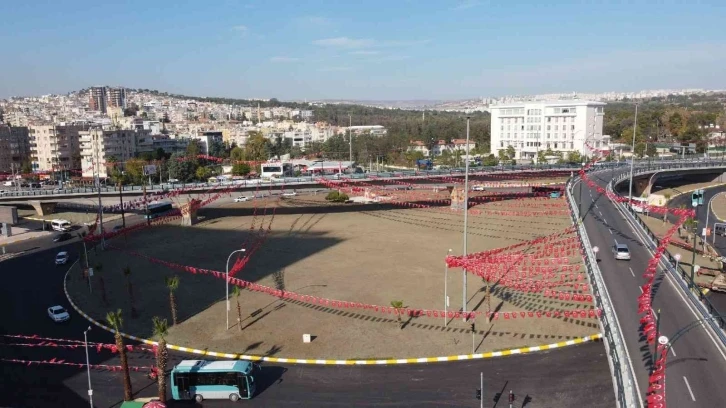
(491, 354)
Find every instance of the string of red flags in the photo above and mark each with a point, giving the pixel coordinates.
(55, 361)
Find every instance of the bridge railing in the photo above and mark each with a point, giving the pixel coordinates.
(291, 180)
(613, 339)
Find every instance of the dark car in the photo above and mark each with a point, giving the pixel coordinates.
(62, 237)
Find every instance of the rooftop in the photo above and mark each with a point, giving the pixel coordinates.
(572, 102)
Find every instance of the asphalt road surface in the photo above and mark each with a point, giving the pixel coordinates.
(696, 366)
(577, 376)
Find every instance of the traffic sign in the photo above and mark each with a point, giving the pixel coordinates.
(663, 340)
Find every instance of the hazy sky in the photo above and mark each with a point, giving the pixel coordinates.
(373, 49)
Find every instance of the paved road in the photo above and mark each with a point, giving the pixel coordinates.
(696, 365)
(571, 377)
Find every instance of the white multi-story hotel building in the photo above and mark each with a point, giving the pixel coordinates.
(98, 146)
(564, 126)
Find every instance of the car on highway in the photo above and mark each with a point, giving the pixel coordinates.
(478, 187)
(62, 237)
(289, 194)
(2, 192)
(242, 199)
(621, 251)
(61, 258)
(172, 180)
(58, 314)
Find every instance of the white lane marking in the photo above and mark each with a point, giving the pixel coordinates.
(689, 388)
(611, 231)
(673, 351)
(604, 220)
(631, 272)
(641, 289)
(599, 212)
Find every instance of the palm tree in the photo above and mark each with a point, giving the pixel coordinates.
(127, 273)
(172, 282)
(236, 292)
(398, 305)
(115, 320)
(161, 329)
(691, 225)
(97, 269)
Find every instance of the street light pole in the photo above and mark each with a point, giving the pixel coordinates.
(88, 366)
(350, 138)
(466, 211)
(226, 285)
(446, 284)
(632, 156)
(695, 235)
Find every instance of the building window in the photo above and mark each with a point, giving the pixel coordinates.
(572, 127)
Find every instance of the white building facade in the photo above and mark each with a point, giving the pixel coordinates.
(531, 127)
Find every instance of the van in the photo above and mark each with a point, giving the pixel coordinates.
(60, 225)
(720, 229)
(621, 251)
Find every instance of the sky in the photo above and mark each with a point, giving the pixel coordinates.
(364, 50)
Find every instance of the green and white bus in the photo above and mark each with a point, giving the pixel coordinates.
(157, 209)
(200, 380)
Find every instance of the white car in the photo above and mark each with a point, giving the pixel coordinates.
(242, 199)
(61, 258)
(172, 181)
(289, 194)
(58, 314)
(478, 187)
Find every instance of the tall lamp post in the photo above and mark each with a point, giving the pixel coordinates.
(678, 259)
(632, 156)
(88, 366)
(226, 285)
(446, 284)
(466, 210)
(695, 235)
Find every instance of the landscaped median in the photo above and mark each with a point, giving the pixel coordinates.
(501, 353)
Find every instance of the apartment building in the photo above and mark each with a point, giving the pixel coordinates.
(560, 126)
(99, 145)
(116, 97)
(97, 99)
(441, 146)
(14, 148)
(55, 147)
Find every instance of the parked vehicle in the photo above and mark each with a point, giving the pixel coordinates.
(242, 199)
(61, 258)
(200, 380)
(58, 314)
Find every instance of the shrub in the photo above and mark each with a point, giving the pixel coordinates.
(337, 197)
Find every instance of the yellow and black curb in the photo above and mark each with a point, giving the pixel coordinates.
(510, 352)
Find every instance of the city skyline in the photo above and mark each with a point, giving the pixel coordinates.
(432, 50)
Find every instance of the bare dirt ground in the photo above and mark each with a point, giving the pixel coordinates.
(370, 255)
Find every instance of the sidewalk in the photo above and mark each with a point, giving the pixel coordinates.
(21, 234)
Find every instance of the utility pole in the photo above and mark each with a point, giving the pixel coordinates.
(350, 138)
(632, 157)
(146, 206)
(121, 200)
(466, 212)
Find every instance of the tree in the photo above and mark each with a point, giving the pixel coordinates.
(216, 149)
(236, 292)
(172, 283)
(241, 169)
(489, 160)
(193, 149)
(640, 149)
(129, 287)
(237, 153)
(398, 305)
(510, 152)
(691, 225)
(134, 169)
(181, 167)
(26, 167)
(255, 147)
(203, 173)
(161, 329)
(115, 320)
(574, 157)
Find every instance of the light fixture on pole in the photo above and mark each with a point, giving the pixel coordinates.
(88, 366)
(595, 250)
(692, 284)
(466, 211)
(678, 259)
(446, 284)
(226, 285)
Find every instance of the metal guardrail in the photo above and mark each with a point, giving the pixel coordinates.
(619, 360)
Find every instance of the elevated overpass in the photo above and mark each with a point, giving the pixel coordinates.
(646, 180)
